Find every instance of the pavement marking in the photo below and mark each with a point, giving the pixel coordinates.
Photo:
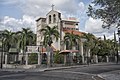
(93, 77)
(74, 72)
(97, 77)
(100, 76)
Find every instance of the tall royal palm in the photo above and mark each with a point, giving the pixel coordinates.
(49, 33)
(25, 36)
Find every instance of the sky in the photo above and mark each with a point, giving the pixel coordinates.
(15, 14)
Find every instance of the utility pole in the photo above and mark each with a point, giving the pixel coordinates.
(118, 45)
(1, 65)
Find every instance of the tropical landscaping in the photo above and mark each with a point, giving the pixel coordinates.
(95, 49)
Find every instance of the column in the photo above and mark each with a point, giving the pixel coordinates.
(96, 59)
(71, 58)
(15, 57)
(65, 59)
(107, 59)
(6, 58)
(39, 59)
(81, 51)
(48, 59)
(88, 57)
(26, 59)
(115, 58)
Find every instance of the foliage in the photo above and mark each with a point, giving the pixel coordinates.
(18, 39)
(8, 39)
(33, 58)
(89, 43)
(25, 38)
(49, 33)
(58, 58)
(98, 46)
(71, 40)
(107, 10)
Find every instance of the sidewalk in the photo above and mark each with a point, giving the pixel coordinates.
(51, 68)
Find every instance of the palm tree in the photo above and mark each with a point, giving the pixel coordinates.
(7, 42)
(8, 39)
(71, 40)
(95, 49)
(49, 33)
(88, 45)
(25, 37)
(109, 50)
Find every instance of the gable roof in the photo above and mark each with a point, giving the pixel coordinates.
(52, 11)
(40, 18)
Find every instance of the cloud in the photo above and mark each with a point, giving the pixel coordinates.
(41, 7)
(95, 26)
(16, 24)
(82, 6)
(37, 8)
(6, 2)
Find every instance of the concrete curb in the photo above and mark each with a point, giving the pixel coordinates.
(53, 68)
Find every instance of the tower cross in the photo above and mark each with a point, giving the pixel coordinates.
(52, 7)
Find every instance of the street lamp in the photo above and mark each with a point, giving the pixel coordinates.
(118, 44)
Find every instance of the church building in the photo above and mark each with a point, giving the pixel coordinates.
(53, 18)
(69, 25)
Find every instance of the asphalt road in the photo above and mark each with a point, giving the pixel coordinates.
(79, 73)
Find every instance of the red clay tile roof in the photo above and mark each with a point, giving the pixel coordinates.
(73, 31)
(45, 50)
(68, 51)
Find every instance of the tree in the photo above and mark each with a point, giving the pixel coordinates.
(33, 58)
(107, 10)
(88, 45)
(58, 58)
(25, 38)
(8, 39)
(49, 33)
(95, 50)
(71, 40)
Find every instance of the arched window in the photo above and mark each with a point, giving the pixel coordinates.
(54, 18)
(49, 19)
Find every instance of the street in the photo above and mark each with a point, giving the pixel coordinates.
(91, 72)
